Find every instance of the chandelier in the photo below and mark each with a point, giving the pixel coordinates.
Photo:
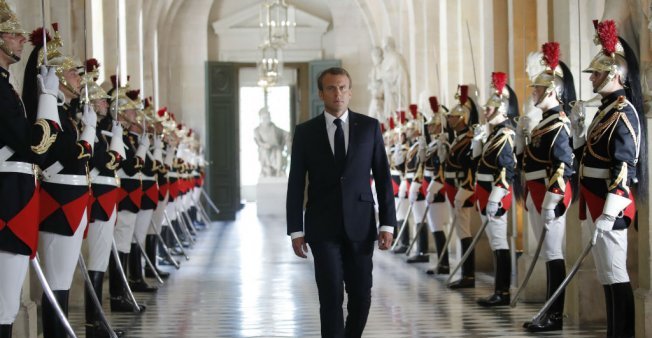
(270, 66)
(277, 23)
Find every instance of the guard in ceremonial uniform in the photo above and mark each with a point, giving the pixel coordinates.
(494, 178)
(397, 170)
(129, 196)
(436, 153)
(21, 150)
(613, 146)
(548, 166)
(459, 172)
(65, 192)
(149, 199)
(414, 162)
(108, 152)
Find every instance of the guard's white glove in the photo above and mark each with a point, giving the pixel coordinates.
(460, 198)
(491, 209)
(158, 149)
(48, 86)
(479, 132)
(143, 146)
(422, 149)
(603, 224)
(577, 117)
(414, 191)
(117, 143)
(402, 189)
(169, 156)
(476, 148)
(442, 147)
(48, 82)
(398, 156)
(89, 121)
(548, 216)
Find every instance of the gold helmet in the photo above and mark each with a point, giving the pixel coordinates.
(55, 58)
(499, 97)
(552, 75)
(465, 108)
(95, 92)
(611, 58)
(123, 102)
(439, 113)
(9, 23)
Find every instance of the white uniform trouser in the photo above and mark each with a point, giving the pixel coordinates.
(463, 222)
(402, 207)
(59, 255)
(124, 230)
(418, 210)
(438, 216)
(13, 269)
(100, 239)
(196, 193)
(553, 244)
(610, 255)
(143, 219)
(158, 218)
(171, 209)
(496, 231)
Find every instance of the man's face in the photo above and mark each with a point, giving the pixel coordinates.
(101, 106)
(434, 128)
(72, 77)
(597, 78)
(456, 122)
(14, 42)
(336, 93)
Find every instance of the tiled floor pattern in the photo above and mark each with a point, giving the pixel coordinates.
(243, 280)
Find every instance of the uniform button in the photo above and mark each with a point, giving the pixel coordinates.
(342, 179)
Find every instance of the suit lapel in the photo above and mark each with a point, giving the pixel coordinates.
(353, 133)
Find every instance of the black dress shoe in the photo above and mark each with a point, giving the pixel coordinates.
(150, 274)
(442, 270)
(419, 258)
(497, 299)
(527, 324)
(401, 249)
(141, 286)
(96, 330)
(463, 283)
(121, 304)
(549, 322)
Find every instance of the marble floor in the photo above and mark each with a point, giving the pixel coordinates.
(243, 280)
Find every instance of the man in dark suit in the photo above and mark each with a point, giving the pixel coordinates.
(337, 150)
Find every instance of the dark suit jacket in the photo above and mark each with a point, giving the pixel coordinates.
(339, 205)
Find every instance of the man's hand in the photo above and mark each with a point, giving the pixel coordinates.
(491, 209)
(385, 240)
(300, 247)
(603, 224)
(548, 217)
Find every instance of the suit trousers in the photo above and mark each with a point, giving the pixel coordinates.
(343, 265)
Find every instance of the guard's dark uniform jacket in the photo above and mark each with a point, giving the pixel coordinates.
(21, 150)
(496, 167)
(65, 192)
(105, 182)
(609, 158)
(150, 185)
(548, 160)
(434, 170)
(459, 169)
(131, 192)
(162, 179)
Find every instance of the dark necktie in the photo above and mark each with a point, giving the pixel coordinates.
(340, 150)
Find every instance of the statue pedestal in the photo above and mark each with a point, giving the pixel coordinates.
(270, 196)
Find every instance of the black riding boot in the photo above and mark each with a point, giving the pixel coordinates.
(52, 326)
(136, 281)
(422, 247)
(403, 241)
(623, 310)
(468, 268)
(94, 327)
(120, 301)
(151, 246)
(503, 273)
(440, 241)
(553, 320)
(6, 330)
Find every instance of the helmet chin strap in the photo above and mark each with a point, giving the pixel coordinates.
(8, 51)
(607, 79)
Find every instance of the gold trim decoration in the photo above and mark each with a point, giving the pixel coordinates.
(112, 164)
(622, 177)
(558, 177)
(47, 140)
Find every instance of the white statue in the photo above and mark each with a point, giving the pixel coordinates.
(273, 146)
(395, 78)
(375, 85)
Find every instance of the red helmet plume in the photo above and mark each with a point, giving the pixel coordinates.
(464, 94)
(498, 81)
(551, 53)
(434, 103)
(608, 36)
(414, 110)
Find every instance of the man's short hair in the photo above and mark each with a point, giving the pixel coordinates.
(332, 71)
